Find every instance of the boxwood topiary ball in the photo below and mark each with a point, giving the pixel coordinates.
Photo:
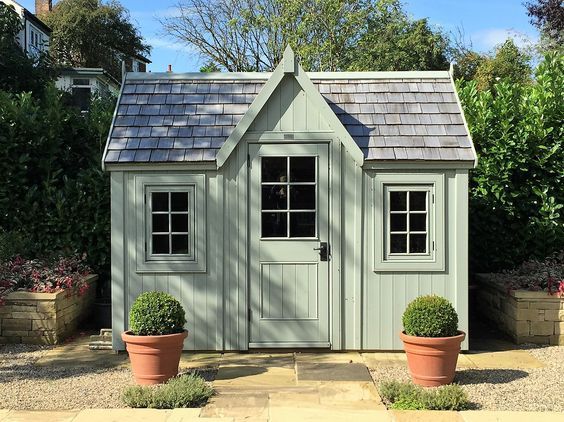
(156, 313)
(430, 316)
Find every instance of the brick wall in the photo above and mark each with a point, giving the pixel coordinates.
(43, 318)
(527, 317)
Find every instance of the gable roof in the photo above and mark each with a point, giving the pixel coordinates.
(189, 117)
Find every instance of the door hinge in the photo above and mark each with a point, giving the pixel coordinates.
(249, 160)
(433, 198)
(249, 314)
(145, 246)
(145, 199)
(433, 245)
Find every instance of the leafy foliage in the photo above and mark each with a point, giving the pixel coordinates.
(407, 396)
(53, 192)
(183, 391)
(327, 35)
(516, 194)
(62, 273)
(156, 313)
(18, 71)
(548, 17)
(93, 33)
(430, 316)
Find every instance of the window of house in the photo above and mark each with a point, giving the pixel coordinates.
(171, 223)
(81, 93)
(409, 222)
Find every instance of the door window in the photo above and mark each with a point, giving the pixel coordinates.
(288, 197)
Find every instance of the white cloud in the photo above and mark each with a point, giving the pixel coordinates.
(163, 43)
(489, 38)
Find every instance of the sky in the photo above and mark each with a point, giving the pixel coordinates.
(485, 22)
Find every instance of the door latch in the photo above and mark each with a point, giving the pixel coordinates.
(323, 251)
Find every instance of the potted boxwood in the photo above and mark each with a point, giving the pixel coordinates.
(431, 340)
(154, 340)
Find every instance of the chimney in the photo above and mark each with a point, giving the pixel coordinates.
(169, 68)
(43, 7)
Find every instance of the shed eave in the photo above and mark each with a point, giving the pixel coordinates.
(417, 164)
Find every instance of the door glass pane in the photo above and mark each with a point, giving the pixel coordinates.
(179, 223)
(160, 244)
(302, 197)
(398, 222)
(417, 243)
(302, 169)
(160, 201)
(274, 169)
(160, 223)
(398, 201)
(274, 224)
(179, 201)
(417, 201)
(302, 224)
(417, 222)
(179, 244)
(274, 197)
(398, 243)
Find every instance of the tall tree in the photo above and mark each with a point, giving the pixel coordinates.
(18, 71)
(327, 35)
(93, 33)
(548, 17)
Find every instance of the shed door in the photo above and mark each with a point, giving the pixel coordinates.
(289, 220)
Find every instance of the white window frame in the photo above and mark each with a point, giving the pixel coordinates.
(434, 258)
(195, 260)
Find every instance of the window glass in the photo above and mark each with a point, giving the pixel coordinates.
(398, 201)
(407, 218)
(170, 228)
(288, 187)
(179, 201)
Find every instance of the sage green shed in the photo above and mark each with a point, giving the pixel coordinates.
(289, 209)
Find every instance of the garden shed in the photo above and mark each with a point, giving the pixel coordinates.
(289, 209)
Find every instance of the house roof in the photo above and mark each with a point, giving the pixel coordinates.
(167, 117)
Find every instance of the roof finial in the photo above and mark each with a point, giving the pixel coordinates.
(289, 60)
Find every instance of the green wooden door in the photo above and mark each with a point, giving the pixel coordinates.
(289, 218)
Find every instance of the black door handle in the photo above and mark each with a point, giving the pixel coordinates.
(323, 251)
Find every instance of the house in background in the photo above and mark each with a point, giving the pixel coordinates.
(35, 35)
(289, 209)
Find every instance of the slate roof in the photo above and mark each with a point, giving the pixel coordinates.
(170, 119)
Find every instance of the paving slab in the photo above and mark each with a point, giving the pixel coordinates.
(183, 415)
(200, 360)
(40, 415)
(256, 377)
(250, 405)
(332, 372)
(122, 415)
(507, 359)
(307, 397)
(354, 395)
(492, 416)
(283, 360)
(3, 413)
(425, 416)
(336, 357)
(291, 413)
(373, 360)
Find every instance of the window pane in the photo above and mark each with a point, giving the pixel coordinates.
(274, 197)
(179, 244)
(179, 201)
(274, 224)
(398, 243)
(417, 222)
(302, 224)
(179, 223)
(160, 244)
(160, 201)
(398, 201)
(418, 201)
(160, 223)
(302, 169)
(398, 222)
(417, 243)
(274, 169)
(302, 197)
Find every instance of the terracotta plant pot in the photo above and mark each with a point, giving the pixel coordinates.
(432, 360)
(154, 359)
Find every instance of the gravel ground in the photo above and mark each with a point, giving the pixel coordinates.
(25, 386)
(537, 389)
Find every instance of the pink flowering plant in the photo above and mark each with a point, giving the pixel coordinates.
(36, 275)
(535, 275)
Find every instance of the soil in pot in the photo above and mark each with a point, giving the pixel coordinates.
(154, 359)
(432, 360)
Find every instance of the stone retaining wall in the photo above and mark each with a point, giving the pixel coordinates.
(43, 318)
(527, 317)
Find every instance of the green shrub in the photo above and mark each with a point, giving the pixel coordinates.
(183, 391)
(156, 313)
(430, 316)
(407, 396)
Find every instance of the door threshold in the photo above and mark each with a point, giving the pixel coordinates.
(290, 345)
